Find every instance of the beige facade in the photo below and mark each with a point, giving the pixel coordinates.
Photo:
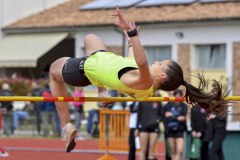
(116, 49)
(184, 57)
(236, 66)
(236, 74)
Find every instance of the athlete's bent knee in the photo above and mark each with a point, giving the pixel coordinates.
(55, 71)
(90, 37)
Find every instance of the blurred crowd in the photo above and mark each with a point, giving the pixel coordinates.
(206, 132)
(148, 120)
(41, 115)
(176, 123)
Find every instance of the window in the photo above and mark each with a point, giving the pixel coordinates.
(211, 56)
(157, 53)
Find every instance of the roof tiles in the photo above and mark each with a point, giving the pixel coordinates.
(69, 15)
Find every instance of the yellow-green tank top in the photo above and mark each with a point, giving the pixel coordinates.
(102, 70)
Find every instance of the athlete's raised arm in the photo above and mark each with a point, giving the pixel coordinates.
(130, 50)
(138, 50)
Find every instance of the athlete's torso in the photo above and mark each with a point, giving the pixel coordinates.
(102, 70)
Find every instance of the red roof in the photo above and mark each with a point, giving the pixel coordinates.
(69, 14)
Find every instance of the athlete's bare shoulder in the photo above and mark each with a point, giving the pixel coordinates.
(132, 80)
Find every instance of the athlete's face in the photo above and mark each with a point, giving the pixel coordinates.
(160, 67)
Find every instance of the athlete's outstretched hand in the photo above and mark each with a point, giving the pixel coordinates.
(134, 25)
(122, 22)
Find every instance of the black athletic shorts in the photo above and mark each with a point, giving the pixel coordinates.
(175, 134)
(73, 72)
(150, 129)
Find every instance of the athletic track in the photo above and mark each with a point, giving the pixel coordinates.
(52, 149)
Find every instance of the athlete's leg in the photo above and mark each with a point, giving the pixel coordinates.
(58, 88)
(93, 43)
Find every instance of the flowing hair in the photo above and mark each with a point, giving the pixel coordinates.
(213, 101)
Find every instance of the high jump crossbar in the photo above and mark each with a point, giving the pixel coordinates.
(98, 99)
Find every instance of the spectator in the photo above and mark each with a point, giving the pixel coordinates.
(78, 111)
(93, 116)
(133, 108)
(6, 110)
(37, 91)
(217, 133)
(58, 123)
(149, 116)
(175, 118)
(167, 148)
(117, 105)
(199, 129)
(93, 120)
(48, 114)
(19, 114)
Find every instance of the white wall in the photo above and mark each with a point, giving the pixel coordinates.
(107, 34)
(13, 10)
(1, 16)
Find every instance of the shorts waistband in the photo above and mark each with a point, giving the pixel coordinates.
(83, 59)
(81, 66)
(98, 51)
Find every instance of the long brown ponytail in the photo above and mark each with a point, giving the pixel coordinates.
(213, 101)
